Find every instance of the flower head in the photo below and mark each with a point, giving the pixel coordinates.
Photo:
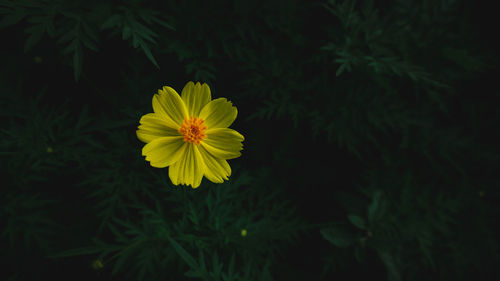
(190, 134)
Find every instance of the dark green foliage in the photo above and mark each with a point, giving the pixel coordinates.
(131, 21)
(371, 134)
(202, 222)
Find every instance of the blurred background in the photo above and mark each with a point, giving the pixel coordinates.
(371, 140)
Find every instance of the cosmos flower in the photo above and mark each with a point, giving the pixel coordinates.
(189, 134)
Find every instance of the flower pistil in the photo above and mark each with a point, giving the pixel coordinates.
(193, 130)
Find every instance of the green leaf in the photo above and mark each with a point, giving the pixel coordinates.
(338, 236)
(217, 267)
(89, 44)
(51, 30)
(393, 273)
(143, 31)
(77, 252)
(201, 271)
(13, 18)
(462, 58)
(163, 23)
(357, 221)
(136, 40)
(194, 274)
(114, 20)
(122, 257)
(231, 274)
(201, 258)
(146, 50)
(89, 31)
(341, 69)
(183, 253)
(193, 216)
(126, 33)
(375, 210)
(37, 32)
(68, 36)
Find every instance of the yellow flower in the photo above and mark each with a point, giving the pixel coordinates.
(97, 264)
(190, 134)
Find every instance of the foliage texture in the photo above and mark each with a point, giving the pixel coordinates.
(371, 134)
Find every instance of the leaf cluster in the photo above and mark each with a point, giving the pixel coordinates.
(78, 29)
(149, 241)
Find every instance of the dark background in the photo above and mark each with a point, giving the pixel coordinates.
(371, 131)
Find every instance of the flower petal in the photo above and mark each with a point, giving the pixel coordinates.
(219, 113)
(169, 104)
(195, 97)
(154, 126)
(216, 170)
(164, 151)
(189, 169)
(223, 143)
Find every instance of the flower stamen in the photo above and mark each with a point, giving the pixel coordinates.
(193, 130)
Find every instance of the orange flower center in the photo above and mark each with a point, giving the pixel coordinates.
(193, 130)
